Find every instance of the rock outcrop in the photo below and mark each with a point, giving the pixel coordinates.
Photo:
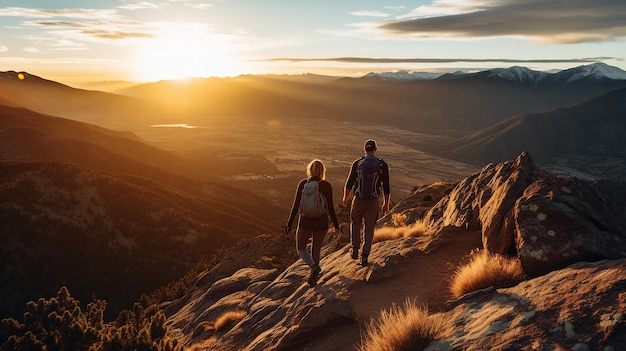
(247, 302)
(282, 312)
(581, 307)
(549, 222)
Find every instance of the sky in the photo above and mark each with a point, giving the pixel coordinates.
(151, 40)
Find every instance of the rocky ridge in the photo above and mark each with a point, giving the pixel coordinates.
(512, 208)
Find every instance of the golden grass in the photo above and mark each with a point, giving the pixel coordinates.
(409, 328)
(223, 323)
(228, 319)
(388, 233)
(399, 219)
(485, 270)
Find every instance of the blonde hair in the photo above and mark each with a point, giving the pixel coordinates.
(316, 169)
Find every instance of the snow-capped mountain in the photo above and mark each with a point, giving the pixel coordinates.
(519, 74)
(403, 75)
(594, 71)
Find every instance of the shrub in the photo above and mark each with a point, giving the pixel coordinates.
(410, 328)
(59, 323)
(388, 233)
(399, 219)
(485, 270)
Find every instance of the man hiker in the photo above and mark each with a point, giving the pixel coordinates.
(368, 180)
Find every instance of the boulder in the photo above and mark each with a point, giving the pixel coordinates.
(485, 201)
(581, 307)
(560, 221)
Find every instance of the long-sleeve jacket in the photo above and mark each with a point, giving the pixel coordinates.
(383, 180)
(314, 223)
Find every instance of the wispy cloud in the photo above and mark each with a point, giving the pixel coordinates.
(139, 6)
(369, 13)
(3, 48)
(32, 50)
(55, 13)
(543, 21)
(69, 27)
(199, 6)
(115, 35)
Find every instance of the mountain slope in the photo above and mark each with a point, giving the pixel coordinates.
(99, 211)
(595, 129)
(450, 104)
(27, 135)
(550, 222)
(49, 97)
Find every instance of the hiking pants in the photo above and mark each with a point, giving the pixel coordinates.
(302, 239)
(363, 211)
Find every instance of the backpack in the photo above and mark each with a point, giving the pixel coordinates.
(368, 173)
(312, 202)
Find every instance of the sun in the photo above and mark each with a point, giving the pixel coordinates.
(184, 51)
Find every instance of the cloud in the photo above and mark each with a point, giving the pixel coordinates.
(59, 24)
(72, 23)
(367, 13)
(115, 35)
(52, 13)
(439, 60)
(543, 21)
(139, 6)
(3, 48)
(199, 6)
(32, 50)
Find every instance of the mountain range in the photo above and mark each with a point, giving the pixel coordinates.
(589, 136)
(96, 208)
(518, 74)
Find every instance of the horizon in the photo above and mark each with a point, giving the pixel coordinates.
(146, 41)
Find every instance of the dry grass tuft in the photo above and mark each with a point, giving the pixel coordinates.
(388, 233)
(485, 270)
(223, 323)
(228, 319)
(399, 219)
(409, 328)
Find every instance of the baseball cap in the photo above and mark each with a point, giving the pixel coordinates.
(370, 144)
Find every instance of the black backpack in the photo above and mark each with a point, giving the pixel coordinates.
(368, 173)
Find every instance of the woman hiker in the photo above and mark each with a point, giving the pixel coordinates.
(313, 221)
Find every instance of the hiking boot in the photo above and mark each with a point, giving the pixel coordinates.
(363, 261)
(354, 253)
(315, 273)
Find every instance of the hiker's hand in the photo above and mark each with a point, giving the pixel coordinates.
(331, 230)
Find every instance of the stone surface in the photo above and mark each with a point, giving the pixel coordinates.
(485, 201)
(561, 221)
(548, 222)
(581, 307)
(509, 208)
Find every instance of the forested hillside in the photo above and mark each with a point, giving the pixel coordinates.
(113, 235)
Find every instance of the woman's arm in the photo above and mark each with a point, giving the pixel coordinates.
(296, 205)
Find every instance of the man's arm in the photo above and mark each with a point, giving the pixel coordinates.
(346, 196)
(349, 183)
(386, 187)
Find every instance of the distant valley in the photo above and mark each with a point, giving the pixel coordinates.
(429, 113)
(227, 165)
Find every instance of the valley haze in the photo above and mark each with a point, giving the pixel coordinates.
(174, 194)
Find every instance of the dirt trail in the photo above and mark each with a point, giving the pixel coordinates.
(423, 278)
